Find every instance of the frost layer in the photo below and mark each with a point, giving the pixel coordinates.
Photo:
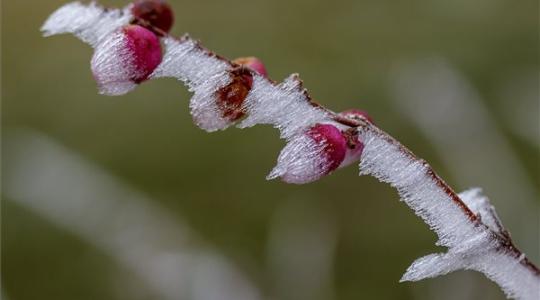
(113, 65)
(286, 106)
(91, 23)
(471, 244)
(203, 73)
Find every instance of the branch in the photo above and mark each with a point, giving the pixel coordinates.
(225, 91)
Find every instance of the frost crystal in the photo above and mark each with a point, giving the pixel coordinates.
(203, 73)
(301, 161)
(91, 23)
(479, 204)
(471, 244)
(286, 106)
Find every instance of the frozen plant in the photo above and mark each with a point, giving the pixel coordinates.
(127, 51)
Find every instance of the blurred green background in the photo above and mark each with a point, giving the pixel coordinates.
(348, 54)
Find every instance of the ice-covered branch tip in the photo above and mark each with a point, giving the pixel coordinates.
(128, 50)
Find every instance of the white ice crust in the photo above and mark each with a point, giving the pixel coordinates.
(471, 245)
(90, 23)
(203, 73)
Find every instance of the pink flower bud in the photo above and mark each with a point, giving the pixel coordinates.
(231, 97)
(146, 50)
(354, 113)
(155, 15)
(310, 156)
(253, 63)
(125, 58)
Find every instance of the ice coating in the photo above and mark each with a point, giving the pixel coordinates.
(91, 23)
(204, 105)
(482, 208)
(382, 158)
(124, 58)
(471, 244)
(302, 160)
(185, 60)
(203, 73)
(113, 65)
(286, 106)
(311, 155)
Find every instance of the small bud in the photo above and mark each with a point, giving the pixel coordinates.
(355, 147)
(154, 14)
(310, 156)
(253, 63)
(125, 58)
(356, 114)
(146, 50)
(231, 97)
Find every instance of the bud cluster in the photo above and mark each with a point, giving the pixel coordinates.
(128, 51)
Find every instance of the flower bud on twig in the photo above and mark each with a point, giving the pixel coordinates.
(125, 58)
(310, 156)
(154, 15)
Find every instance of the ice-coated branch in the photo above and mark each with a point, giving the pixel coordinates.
(319, 141)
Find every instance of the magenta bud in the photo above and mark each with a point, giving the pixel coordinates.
(125, 58)
(356, 114)
(333, 142)
(155, 15)
(312, 155)
(253, 63)
(145, 49)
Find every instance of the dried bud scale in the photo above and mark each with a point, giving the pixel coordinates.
(230, 98)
